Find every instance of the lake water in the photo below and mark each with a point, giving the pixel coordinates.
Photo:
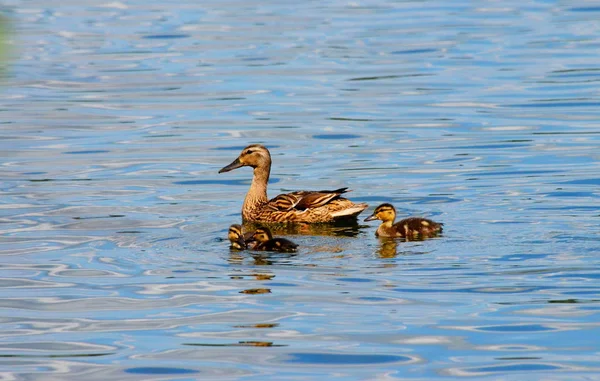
(117, 115)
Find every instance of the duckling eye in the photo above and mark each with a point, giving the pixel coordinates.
(249, 152)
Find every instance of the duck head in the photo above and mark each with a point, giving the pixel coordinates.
(262, 234)
(255, 156)
(236, 237)
(384, 212)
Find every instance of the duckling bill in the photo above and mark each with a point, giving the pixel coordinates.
(266, 242)
(408, 228)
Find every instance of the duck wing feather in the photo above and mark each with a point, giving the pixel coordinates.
(302, 200)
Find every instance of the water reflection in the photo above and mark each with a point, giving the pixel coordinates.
(388, 248)
(269, 259)
(394, 247)
(349, 228)
(238, 344)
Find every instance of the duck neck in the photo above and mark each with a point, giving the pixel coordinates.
(257, 194)
(385, 227)
(387, 224)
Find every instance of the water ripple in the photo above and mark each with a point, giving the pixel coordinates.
(114, 260)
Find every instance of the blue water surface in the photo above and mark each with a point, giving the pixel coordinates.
(117, 115)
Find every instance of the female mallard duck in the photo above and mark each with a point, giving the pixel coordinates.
(301, 206)
(408, 228)
(266, 242)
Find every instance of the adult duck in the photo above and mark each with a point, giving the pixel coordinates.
(300, 206)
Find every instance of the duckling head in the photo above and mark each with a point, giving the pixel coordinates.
(384, 212)
(255, 156)
(236, 237)
(262, 234)
(235, 232)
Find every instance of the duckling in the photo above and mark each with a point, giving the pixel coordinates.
(240, 240)
(266, 242)
(408, 228)
(300, 206)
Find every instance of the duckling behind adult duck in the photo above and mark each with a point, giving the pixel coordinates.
(408, 228)
(266, 242)
(301, 206)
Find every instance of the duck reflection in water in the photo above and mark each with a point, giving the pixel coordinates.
(240, 236)
(336, 229)
(388, 248)
(264, 258)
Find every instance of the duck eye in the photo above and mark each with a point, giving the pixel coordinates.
(249, 152)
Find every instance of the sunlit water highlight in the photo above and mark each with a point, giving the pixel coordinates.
(116, 117)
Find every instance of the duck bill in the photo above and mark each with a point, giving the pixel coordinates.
(371, 218)
(234, 164)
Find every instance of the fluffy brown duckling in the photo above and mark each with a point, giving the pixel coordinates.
(299, 206)
(266, 242)
(408, 228)
(239, 240)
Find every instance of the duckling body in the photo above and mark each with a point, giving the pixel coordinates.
(408, 228)
(412, 227)
(266, 242)
(277, 244)
(300, 206)
(239, 240)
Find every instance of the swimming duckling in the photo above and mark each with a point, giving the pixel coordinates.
(266, 242)
(408, 228)
(239, 240)
(300, 206)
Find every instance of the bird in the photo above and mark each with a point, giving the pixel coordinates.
(409, 228)
(236, 237)
(299, 206)
(240, 240)
(266, 242)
